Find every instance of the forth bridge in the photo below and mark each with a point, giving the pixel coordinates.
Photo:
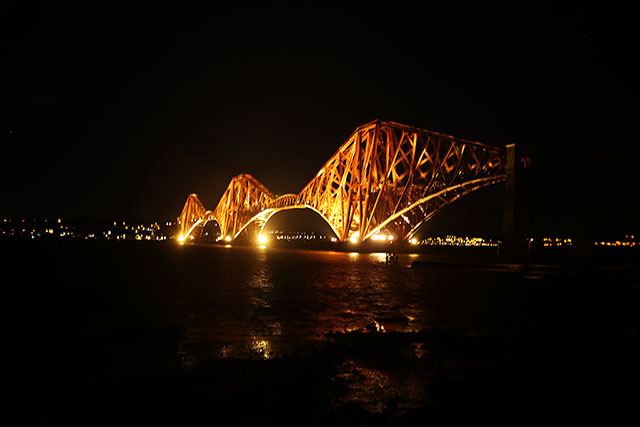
(385, 178)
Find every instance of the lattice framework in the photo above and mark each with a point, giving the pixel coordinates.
(386, 177)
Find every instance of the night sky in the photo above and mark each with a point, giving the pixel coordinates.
(117, 110)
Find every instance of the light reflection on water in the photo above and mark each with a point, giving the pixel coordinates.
(263, 303)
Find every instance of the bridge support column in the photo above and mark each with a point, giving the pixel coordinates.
(508, 249)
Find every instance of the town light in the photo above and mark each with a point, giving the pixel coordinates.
(262, 239)
(181, 238)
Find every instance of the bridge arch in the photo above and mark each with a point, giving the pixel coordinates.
(261, 220)
(438, 201)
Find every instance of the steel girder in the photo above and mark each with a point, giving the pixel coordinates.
(386, 177)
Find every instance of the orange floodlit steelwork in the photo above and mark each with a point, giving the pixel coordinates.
(386, 178)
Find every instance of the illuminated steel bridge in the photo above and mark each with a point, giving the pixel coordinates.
(386, 178)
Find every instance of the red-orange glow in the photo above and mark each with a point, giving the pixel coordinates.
(387, 177)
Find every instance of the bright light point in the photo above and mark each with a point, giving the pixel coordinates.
(262, 246)
(227, 239)
(355, 237)
(262, 239)
(414, 241)
(181, 238)
(379, 237)
(390, 237)
(227, 246)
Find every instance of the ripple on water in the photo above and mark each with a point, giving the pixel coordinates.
(247, 303)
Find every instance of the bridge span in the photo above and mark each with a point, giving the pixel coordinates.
(385, 178)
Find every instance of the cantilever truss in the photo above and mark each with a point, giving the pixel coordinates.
(386, 176)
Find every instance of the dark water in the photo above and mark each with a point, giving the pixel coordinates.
(246, 302)
(139, 332)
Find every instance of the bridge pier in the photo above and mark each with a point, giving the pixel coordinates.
(508, 217)
(513, 248)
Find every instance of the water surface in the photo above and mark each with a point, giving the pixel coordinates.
(99, 327)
